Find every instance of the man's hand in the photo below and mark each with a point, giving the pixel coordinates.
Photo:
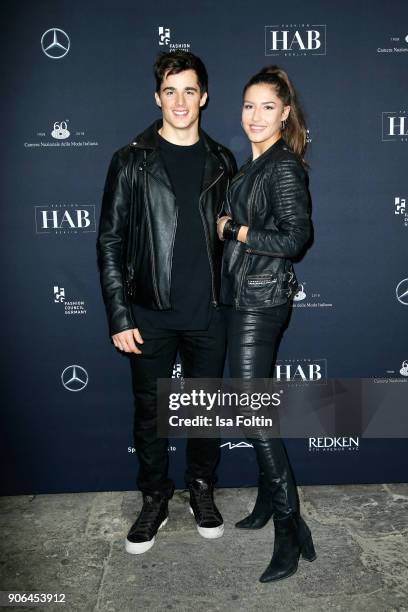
(125, 341)
(220, 225)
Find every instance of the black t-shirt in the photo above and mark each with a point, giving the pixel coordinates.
(190, 293)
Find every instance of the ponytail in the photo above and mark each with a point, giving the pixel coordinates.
(294, 133)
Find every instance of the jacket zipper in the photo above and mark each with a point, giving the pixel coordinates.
(131, 249)
(215, 303)
(241, 280)
(256, 252)
(247, 251)
(150, 236)
(251, 201)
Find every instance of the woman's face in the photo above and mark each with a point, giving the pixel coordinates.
(262, 113)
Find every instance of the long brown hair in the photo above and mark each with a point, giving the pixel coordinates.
(294, 132)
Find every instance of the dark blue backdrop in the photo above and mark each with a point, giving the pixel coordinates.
(68, 102)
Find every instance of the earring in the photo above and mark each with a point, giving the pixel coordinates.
(283, 124)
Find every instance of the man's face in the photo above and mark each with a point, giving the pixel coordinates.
(180, 99)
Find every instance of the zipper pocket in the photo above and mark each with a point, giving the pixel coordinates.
(256, 252)
(261, 280)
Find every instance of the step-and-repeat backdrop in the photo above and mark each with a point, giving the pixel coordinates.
(77, 85)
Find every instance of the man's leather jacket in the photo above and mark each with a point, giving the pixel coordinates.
(270, 196)
(138, 225)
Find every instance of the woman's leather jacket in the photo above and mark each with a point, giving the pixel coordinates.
(271, 197)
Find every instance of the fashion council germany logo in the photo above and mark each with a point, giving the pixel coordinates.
(295, 39)
(400, 209)
(74, 378)
(165, 40)
(55, 43)
(71, 307)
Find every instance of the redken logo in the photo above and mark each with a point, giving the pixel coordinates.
(334, 444)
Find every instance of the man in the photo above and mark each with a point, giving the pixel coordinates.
(159, 258)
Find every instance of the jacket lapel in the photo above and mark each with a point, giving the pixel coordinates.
(213, 170)
(155, 167)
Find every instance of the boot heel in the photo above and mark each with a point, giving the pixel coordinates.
(308, 551)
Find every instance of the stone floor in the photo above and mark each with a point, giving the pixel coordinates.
(74, 544)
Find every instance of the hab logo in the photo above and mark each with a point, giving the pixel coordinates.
(232, 445)
(401, 292)
(341, 443)
(164, 36)
(60, 130)
(55, 43)
(295, 39)
(74, 378)
(394, 126)
(65, 219)
(301, 370)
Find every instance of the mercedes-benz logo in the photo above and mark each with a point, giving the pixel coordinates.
(402, 292)
(55, 43)
(74, 378)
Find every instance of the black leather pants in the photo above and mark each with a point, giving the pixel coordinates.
(202, 354)
(253, 338)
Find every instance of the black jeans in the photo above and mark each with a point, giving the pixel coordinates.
(202, 355)
(253, 339)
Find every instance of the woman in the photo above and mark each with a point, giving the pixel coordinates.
(267, 223)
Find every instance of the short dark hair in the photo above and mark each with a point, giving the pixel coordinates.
(177, 61)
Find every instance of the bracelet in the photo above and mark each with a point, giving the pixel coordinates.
(231, 229)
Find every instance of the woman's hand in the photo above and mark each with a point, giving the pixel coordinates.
(220, 225)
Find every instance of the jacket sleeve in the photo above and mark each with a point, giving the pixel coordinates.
(111, 243)
(231, 165)
(289, 197)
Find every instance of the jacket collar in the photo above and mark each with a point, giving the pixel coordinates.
(270, 152)
(149, 141)
(253, 164)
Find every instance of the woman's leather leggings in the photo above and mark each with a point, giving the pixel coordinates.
(253, 338)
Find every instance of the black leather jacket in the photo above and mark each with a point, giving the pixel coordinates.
(271, 197)
(138, 225)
